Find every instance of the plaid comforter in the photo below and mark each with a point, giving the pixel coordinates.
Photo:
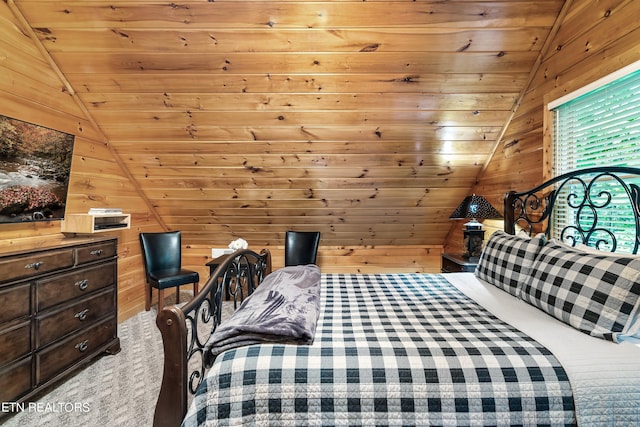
(397, 349)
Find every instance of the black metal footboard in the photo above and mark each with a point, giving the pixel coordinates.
(185, 330)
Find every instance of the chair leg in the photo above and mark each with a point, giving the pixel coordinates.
(160, 299)
(195, 289)
(177, 295)
(147, 297)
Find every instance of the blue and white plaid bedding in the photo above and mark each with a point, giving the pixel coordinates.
(397, 349)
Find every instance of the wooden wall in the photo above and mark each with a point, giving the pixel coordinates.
(366, 120)
(31, 90)
(594, 39)
(34, 89)
(345, 259)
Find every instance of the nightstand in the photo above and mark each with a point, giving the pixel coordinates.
(454, 263)
(215, 262)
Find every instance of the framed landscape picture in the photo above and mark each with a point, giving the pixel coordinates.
(35, 164)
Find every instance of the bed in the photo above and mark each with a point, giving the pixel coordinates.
(545, 331)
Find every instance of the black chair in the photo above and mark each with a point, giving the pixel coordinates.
(301, 247)
(162, 255)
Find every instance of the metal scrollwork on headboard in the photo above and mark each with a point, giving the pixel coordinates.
(598, 207)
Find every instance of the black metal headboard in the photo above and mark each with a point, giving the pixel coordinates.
(601, 207)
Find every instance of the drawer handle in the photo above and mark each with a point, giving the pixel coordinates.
(82, 346)
(34, 265)
(82, 315)
(82, 284)
(97, 252)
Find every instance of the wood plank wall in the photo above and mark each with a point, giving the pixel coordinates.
(366, 120)
(31, 90)
(596, 38)
(344, 259)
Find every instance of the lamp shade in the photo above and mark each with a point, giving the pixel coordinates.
(475, 207)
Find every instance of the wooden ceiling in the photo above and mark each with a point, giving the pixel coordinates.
(366, 120)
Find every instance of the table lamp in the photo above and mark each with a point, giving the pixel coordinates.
(474, 207)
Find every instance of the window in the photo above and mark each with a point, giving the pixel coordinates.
(597, 127)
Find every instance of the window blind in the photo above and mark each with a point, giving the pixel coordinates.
(599, 128)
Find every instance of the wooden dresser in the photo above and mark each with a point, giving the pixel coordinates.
(58, 311)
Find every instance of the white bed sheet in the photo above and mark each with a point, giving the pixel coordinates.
(604, 376)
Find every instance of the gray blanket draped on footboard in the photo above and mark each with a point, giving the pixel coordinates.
(284, 308)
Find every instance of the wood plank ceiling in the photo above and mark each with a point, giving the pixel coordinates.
(366, 120)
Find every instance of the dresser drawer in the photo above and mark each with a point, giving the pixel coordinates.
(19, 267)
(96, 252)
(58, 310)
(58, 357)
(15, 302)
(15, 380)
(55, 290)
(15, 342)
(72, 318)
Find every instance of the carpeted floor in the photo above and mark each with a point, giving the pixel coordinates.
(118, 390)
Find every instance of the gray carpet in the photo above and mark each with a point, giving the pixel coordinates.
(118, 390)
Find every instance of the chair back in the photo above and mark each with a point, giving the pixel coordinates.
(161, 251)
(301, 247)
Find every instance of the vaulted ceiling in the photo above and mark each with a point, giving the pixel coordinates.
(366, 120)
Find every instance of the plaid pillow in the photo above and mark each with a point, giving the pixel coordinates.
(507, 259)
(596, 294)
